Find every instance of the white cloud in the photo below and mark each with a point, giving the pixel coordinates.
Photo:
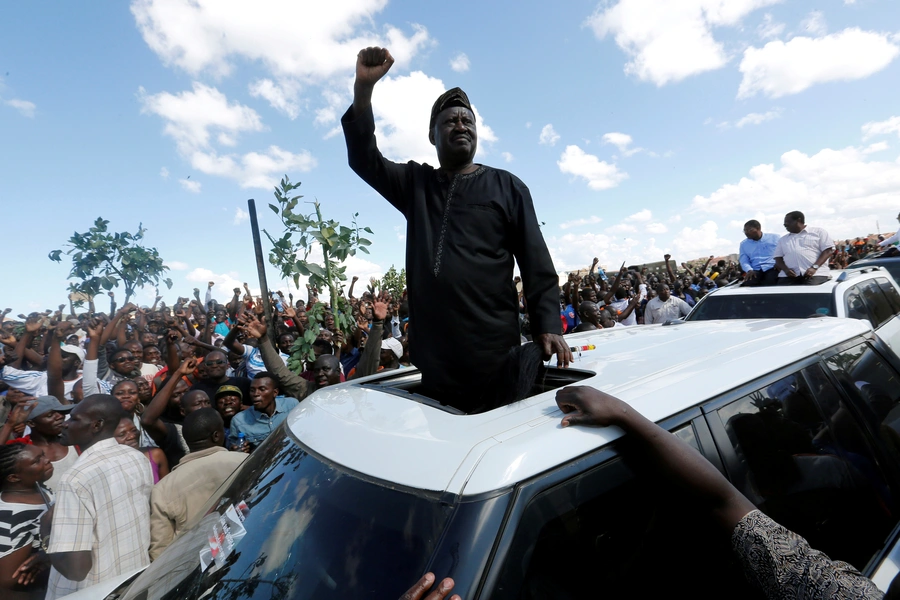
(703, 240)
(191, 186)
(656, 228)
(781, 68)
(164, 173)
(814, 23)
(192, 116)
(758, 118)
(769, 28)
(886, 127)
(599, 174)
(177, 265)
(460, 63)
(593, 219)
(282, 95)
(225, 282)
(667, 40)
(876, 147)
(240, 216)
(621, 228)
(254, 169)
(400, 230)
(622, 141)
(549, 136)
(508, 157)
(846, 189)
(305, 40)
(641, 216)
(402, 107)
(25, 108)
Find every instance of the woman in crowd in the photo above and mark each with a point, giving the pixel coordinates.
(23, 503)
(127, 435)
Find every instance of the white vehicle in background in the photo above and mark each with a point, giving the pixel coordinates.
(369, 484)
(870, 294)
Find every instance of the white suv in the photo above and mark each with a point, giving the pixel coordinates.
(368, 484)
(870, 294)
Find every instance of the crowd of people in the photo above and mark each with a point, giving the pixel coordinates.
(117, 427)
(160, 404)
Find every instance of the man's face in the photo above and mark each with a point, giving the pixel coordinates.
(137, 350)
(124, 363)
(149, 339)
(144, 389)
(78, 430)
(329, 321)
(220, 316)
(228, 406)
(69, 362)
(195, 400)
(201, 321)
(152, 355)
(285, 342)
(216, 365)
(49, 424)
(303, 317)
(792, 225)
(753, 233)
(326, 371)
(593, 313)
(663, 292)
(262, 394)
(326, 335)
(454, 135)
(180, 390)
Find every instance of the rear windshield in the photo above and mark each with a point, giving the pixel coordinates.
(289, 525)
(764, 306)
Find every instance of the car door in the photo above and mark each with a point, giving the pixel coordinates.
(798, 450)
(611, 529)
(884, 316)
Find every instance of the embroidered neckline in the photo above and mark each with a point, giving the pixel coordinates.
(481, 169)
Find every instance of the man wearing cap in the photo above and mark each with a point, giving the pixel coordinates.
(467, 225)
(228, 401)
(46, 420)
(391, 351)
(34, 383)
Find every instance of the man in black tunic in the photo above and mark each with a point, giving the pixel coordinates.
(466, 223)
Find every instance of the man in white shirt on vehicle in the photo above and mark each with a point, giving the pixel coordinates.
(664, 307)
(804, 252)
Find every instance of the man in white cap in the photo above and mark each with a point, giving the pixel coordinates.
(34, 383)
(391, 351)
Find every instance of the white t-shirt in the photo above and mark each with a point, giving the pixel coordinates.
(253, 362)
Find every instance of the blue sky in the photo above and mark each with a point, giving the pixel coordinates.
(640, 126)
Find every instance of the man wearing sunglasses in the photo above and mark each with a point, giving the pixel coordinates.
(216, 365)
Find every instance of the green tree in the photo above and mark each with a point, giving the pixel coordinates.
(291, 254)
(101, 260)
(394, 282)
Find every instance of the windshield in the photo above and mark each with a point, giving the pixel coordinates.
(291, 526)
(763, 306)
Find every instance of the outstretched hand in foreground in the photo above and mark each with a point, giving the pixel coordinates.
(417, 592)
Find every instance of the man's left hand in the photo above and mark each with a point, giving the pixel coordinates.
(810, 272)
(553, 343)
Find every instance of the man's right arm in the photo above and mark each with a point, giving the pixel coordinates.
(387, 178)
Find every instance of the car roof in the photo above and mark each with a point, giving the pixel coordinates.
(660, 370)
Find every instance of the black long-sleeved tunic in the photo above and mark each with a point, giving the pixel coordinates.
(463, 234)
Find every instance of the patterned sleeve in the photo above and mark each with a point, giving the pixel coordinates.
(72, 529)
(781, 564)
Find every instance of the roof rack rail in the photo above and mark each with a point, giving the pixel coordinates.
(854, 272)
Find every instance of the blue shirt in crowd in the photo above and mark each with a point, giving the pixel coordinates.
(256, 426)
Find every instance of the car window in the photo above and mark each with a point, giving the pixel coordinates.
(802, 458)
(866, 376)
(856, 306)
(878, 304)
(597, 535)
(763, 306)
(891, 293)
